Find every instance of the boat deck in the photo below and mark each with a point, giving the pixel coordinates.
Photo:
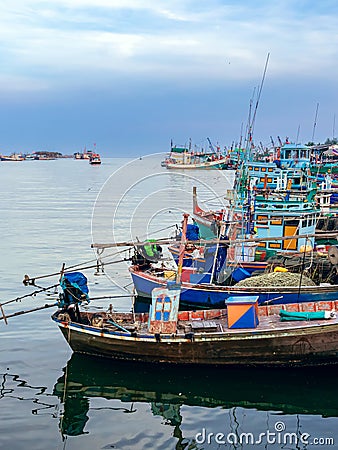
(203, 322)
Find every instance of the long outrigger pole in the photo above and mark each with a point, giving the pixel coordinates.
(333, 235)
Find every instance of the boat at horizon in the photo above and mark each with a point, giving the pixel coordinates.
(186, 158)
(94, 159)
(13, 157)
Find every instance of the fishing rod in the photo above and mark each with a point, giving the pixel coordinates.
(31, 280)
(32, 294)
(112, 296)
(20, 313)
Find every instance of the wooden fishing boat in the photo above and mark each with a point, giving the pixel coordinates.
(208, 337)
(186, 158)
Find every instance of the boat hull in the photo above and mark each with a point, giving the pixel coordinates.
(205, 165)
(315, 344)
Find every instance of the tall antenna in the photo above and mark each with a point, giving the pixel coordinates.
(334, 126)
(315, 123)
(298, 131)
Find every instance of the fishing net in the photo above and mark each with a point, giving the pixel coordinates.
(277, 279)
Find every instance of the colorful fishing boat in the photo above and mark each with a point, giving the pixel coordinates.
(325, 159)
(241, 334)
(186, 158)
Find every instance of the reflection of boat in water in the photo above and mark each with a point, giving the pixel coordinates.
(298, 391)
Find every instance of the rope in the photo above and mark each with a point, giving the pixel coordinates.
(64, 393)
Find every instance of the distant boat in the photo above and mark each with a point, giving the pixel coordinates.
(95, 159)
(85, 155)
(186, 158)
(13, 157)
(31, 157)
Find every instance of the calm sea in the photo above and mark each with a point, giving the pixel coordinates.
(51, 212)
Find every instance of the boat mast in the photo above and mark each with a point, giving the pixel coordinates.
(315, 123)
(182, 247)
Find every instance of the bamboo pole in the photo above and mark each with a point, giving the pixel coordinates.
(182, 248)
(333, 235)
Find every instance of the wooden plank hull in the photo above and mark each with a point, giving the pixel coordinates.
(285, 345)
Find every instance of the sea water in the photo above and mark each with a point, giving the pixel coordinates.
(51, 213)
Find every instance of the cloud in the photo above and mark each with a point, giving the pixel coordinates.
(85, 41)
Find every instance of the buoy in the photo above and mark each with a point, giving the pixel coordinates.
(280, 269)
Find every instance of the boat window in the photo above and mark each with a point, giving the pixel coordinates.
(262, 219)
(276, 221)
(293, 222)
(274, 245)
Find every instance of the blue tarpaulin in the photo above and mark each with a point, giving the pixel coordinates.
(75, 289)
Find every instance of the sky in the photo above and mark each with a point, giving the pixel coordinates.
(133, 75)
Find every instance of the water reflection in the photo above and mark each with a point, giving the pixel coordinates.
(12, 385)
(167, 390)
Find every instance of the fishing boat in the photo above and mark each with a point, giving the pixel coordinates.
(13, 157)
(83, 155)
(325, 159)
(241, 334)
(186, 158)
(95, 159)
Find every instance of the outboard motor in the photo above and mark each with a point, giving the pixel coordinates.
(75, 291)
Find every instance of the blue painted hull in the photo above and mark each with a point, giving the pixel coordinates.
(211, 296)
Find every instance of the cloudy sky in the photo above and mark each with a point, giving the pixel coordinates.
(130, 75)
